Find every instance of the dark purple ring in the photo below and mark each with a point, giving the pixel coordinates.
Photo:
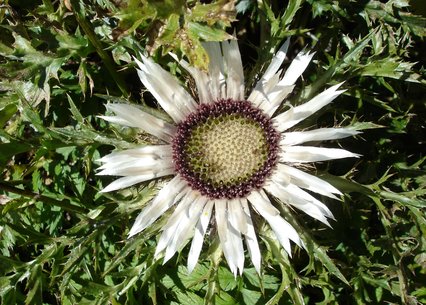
(217, 109)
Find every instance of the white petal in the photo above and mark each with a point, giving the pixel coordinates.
(182, 209)
(180, 97)
(179, 216)
(277, 61)
(251, 239)
(236, 216)
(294, 115)
(307, 181)
(282, 229)
(293, 195)
(168, 233)
(117, 120)
(270, 78)
(156, 151)
(131, 180)
(141, 164)
(234, 70)
(274, 98)
(201, 79)
(260, 93)
(222, 228)
(303, 154)
(167, 91)
(321, 134)
(297, 67)
(284, 232)
(230, 239)
(166, 197)
(200, 231)
(236, 246)
(268, 208)
(216, 70)
(133, 167)
(186, 226)
(268, 97)
(132, 116)
(154, 87)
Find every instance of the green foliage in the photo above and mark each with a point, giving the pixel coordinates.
(61, 242)
(178, 25)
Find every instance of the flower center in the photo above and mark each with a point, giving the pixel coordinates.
(225, 149)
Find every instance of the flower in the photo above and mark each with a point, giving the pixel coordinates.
(227, 154)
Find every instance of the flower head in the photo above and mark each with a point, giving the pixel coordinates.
(226, 154)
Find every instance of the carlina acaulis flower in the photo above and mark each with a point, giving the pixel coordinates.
(226, 154)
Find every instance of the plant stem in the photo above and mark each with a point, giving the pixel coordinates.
(106, 59)
(65, 203)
